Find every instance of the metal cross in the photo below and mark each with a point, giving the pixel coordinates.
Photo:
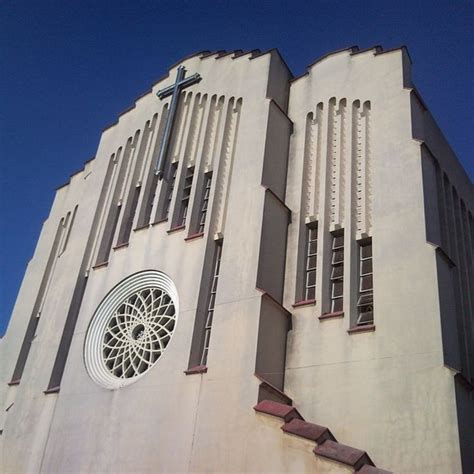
(173, 90)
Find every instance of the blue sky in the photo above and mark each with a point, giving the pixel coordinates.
(68, 68)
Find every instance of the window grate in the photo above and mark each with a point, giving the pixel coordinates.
(311, 262)
(169, 196)
(188, 184)
(365, 302)
(337, 272)
(205, 201)
(211, 304)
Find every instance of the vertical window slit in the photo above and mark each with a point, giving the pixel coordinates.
(188, 183)
(211, 303)
(365, 302)
(169, 191)
(205, 201)
(311, 261)
(337, 272)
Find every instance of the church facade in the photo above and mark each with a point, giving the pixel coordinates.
(256, 273)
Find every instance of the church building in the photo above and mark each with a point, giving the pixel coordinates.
(256, 273)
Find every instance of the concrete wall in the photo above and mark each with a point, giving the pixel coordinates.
(351, 163)
(387, 389)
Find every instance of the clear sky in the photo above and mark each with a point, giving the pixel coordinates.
(68, 68)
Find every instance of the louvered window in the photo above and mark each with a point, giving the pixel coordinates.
(365, 302)
(311, 261)
(205, 201)
(337, 272)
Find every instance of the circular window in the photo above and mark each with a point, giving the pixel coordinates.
(131, 329)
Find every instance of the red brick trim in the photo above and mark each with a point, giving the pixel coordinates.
(344, 454)
(336, 314)
(159, 221)
(14, 382)
(311, 431)
(100, 265)
(298, 304)
(194, 236)
(197, 369)
(120, 246)
(359, 329)
(280, 410)
(52, 390)
(368, 469)
(176, 229)
(141, 227)
(276, 391)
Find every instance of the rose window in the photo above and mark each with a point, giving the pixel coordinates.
(131, 329)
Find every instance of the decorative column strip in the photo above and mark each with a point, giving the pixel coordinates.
(227, 155)
(363, 185)
(148, 178)
(333, 159)
(368, 170)
(214, 112)
(195, 139)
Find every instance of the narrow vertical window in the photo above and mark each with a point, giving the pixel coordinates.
(337, 272)
(170, 190)
(311, 261)
(205, 201)
(365, 302)
(211, 303)
(188, 184)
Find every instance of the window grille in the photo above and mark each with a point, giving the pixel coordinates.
(170, 190)
(337, 272)
(211, 303)
(205, 201)
(365, 303)
(131, 329)
(311, 262)
(188, 183)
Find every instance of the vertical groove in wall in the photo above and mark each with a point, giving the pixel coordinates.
(368, 169)
(317, 159)
(361, 159)
(105, 198)
(82, 276)
(216, 142)
(150, 180)
(226, 154)
(129, 158)
(468, 263)
(115, 207)
(149, 145)
(180, 127)
(210, 132)
(449, 214)
(463, 279)
(456, 272)
(196, 128)
(67, 232)
(441, 206)
(37, 307)
(308, 164)
(133, 187)
(189, 133)
(214, 158)
(332, 151)
(341, 157)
